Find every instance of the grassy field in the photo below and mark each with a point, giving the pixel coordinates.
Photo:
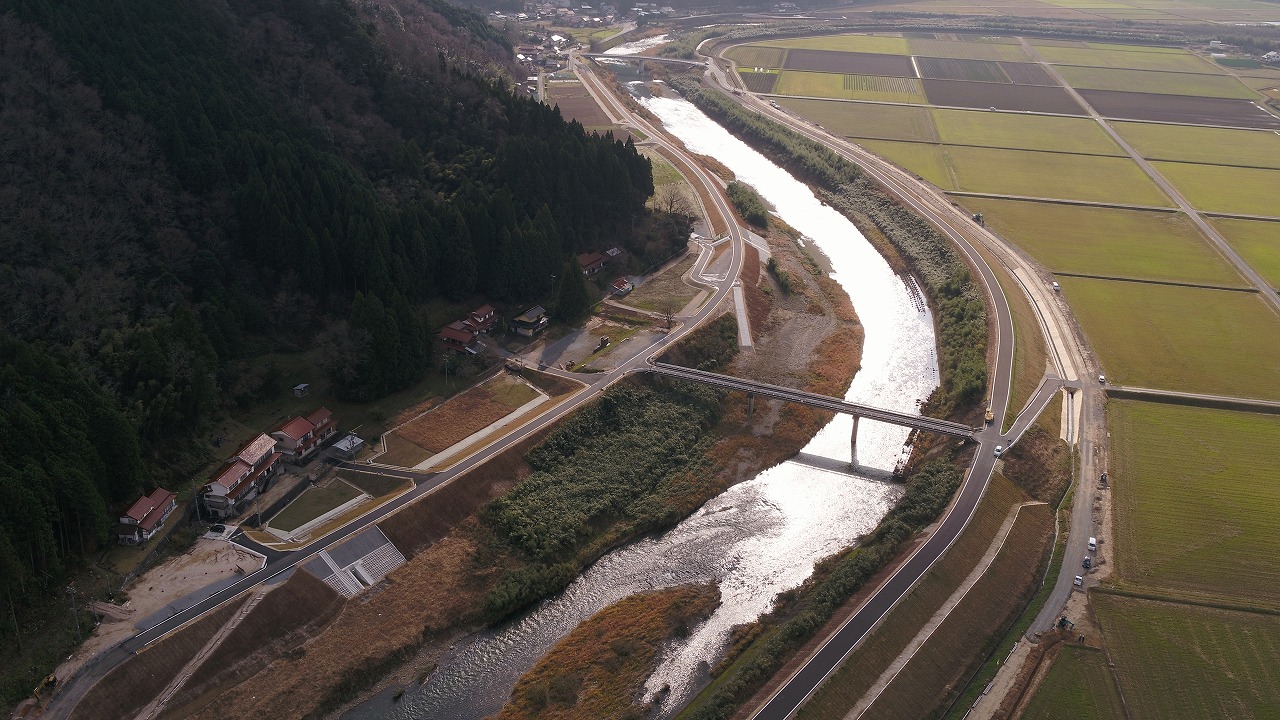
(753, 56)
(1053, 175)
(1197, 505)
(1211, 663)
(1179, 338)
(665, 287)
(849, 87)
(1164, 83)
(461, 416)
(845, 43)
(1217, 146)
(1010, 52)
(1108, 241)
(1078, 686)
(664, 173)
(1218, 188)
(1027, 132)
(313, 503)
(1097, 57)
(1257, 241)
(375, 485)
(924, 159)
(867, 120)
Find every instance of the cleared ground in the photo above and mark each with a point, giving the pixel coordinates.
(1179, 338)
(1257, 241)
(1148, 81)
(845, 43)
(1078, 686)
(960, 69)
(1053, 175)
(924, 159)
(1180, 109)
(867, 120)
(576, 103)
(1197, 505)
(850, 87)
(1028, 132)
(465, 414)
(752, 56)
(1215, 146)
(1022, 98)
(313, 503)
(759, 82)
(853, 63)
(1180, 661)
(1108, 241)
(1006, 49)
(666, 287)
(1220, 188)
(1143, 59)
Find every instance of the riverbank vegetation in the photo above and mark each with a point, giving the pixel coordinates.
(599, 669)
(957, 300)
(748, 203)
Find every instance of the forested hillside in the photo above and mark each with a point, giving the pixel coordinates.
(187, 184)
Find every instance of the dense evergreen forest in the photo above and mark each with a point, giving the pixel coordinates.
(188, 184)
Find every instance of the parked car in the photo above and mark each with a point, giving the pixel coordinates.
(1088, 562)
(999, 450)
(1079, 581)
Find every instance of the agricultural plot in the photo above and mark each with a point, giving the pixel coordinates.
(1197, 505)
(1026, 132)
(1180, 109)
(1022, 98)
(850, 63)
(1257, 241)
(1053, 175)
(1215, 146)
(885, 44)
(1110, 242)
(762, 82)
(755, 56)
(1078, 686)
(1220, 188)
(313, 503)
(1178, 61)
(1179, 338)
(1163, 83)
(576, 103)
(998, 51)
(1181, 662)
(850, 87)
(924, 159)
(867, 120)
(1020, 73)
(958, 69)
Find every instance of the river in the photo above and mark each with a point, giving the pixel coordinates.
(760, 537)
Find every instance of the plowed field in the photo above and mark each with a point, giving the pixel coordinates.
(1002, 97)
(851, 63)
(1026, 73)
(759, 82)
(957, 69)
(1179, 108)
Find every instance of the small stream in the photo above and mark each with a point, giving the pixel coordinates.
(760, 537)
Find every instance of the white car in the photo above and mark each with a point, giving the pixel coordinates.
(999, 450)
(1079, 581)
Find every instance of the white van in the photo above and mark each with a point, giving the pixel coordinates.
(1093, 544)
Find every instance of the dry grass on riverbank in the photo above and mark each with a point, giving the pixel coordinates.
(600, 668)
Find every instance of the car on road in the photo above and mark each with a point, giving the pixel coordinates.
(1102, 379)
(1079, 581)
(999, 450)
(1088, 562)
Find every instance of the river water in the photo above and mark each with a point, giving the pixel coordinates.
(760, 537)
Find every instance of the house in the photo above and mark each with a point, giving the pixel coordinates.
(146, 517)
(458, 337)
(241, 478)
(481, 319)
(349, 445)
(622, 286)
(531, 322)
(298, 439)
(1272, 57)
(591, 263)
(301, 390)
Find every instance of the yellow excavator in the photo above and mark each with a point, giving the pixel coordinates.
(46, 686)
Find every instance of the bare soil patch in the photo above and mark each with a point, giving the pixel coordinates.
(759, 82)
(1026, 73)
(576, 103)
(1032, 98)
(461, 416)
(957, 69)
(850, 63)
(1180, 108)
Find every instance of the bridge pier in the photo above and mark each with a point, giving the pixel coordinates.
(751, 404)
(853, 444)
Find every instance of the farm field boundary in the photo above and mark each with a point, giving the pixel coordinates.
(1228, 288)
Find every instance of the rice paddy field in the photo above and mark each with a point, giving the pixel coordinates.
(1164, 83)
(1219, 188)
(1257, 241)
(1179, 338)
(1005, 49)
(867, 120)
(1110, 242)
(1181, 662)
(849, 87)
(1139, 59)
(1079, 686)
(1209, 145)
(751, 56)
(1027, 132)
(1196, 502)
(886, 44)
(926, 160)
(1053, 175)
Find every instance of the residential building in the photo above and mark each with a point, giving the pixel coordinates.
(298, 439)
(622, 286)
(458, 337)
(591, 263)
(349, 445)
(242, 478)
(530, 322)
(146, 517)
(481, 320)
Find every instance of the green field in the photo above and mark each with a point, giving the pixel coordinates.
(924, 159)
(1257, 241)
(1164, 83)
(1079, 686)
(1009, 52)
(1181, 662)
(752, 56)
(1027, 132)
(850, 87)
(1197, 505)
(1089, 57)
(1113, 242)
(313, 503)
(1053, 175)
(1179, 338)
(1216, 146)
(1218, 188)
(867, 120)
(844, 43)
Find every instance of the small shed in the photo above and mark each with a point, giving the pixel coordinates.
(349, 446)
(301, 389)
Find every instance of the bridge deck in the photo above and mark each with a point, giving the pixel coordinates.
(892, 417)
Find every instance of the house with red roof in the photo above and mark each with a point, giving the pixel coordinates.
(241, 478)
(298, 439)
(481, 320)
(458, 337)
(591, 263)
(146, 517)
